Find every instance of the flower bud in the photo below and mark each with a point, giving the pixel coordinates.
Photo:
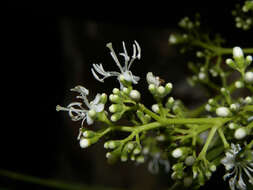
(130, 146)
(202, 76)
(239, 84)
(213, 168)
(240, 133)
(208, 107)
(89, 134)
(137, 150)
(222, 111)
(189, 161)
(248, 77)
(230, 63)
(103, 98)
(248, 60)
(237, 53)
(84, 143)
(115, 108)
(115, 91)
(123, 158)
(168, 87)
(173, 39)
(232, 126)
(161, 90)
(155, 108)
(113, 144)
(248, 100)
(114, 98)
(170, 102)
(92, 113)
(126, 90)
(152, 88)
(234, 107)
(135, 95)
(177, 153)
(115, 117)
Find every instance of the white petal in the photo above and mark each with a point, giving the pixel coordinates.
(99, 107)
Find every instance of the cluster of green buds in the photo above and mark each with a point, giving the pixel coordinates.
(244, 15)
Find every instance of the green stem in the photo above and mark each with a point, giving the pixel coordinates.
(223, 138)
(202, 154)
(150, 113)
(48, 182)
(219, 50)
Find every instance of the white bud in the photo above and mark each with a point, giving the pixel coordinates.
(108, 155)
(249, 58)
(248, 77)
(208, 107)
(239, 84)
(237, 52)
(135, 95)
(240, 133)
(234, 107)
(115, 91)
(222, 112)
(123, 158)
(125, 90)
(231, 126)
(248, 100)
(161, 90)
(202, 76)
(213, 168)
(229, 61)
(155, 108)
(171, 100)
(177, 153)
(211, 101)
(84, 143)
(172, 39)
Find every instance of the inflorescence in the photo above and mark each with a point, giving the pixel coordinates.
(187, 144)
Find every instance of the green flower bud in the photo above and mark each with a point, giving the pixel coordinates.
(115, 91)
(152, 88)
(137, 150)
(126, 90)
(155, 108)
(168, 88)
(103, 98)
(92, 113)
(89, 134)
(239, 84)
(114, 98)
(213, 168)
(113, 144)
(170, 102)
(115, 108)
(115, 117)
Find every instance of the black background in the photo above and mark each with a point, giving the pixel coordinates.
(45, 55)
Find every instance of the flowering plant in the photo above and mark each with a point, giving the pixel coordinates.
(188, 144)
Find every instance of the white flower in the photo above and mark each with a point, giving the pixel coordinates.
(76, 110)
(125, 72)
(173, 39)
(236, 166)
(151, 79)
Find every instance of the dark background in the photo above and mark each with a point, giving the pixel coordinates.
(45, 56)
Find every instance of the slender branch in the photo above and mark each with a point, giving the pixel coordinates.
(49, 182)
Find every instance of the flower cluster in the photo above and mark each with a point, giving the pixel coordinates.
(187, 144)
